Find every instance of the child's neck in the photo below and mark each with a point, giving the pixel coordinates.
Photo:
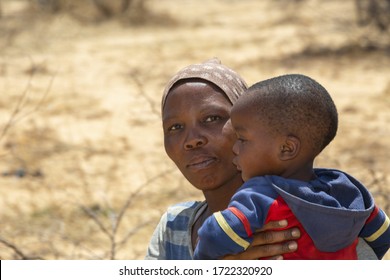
(302, 173)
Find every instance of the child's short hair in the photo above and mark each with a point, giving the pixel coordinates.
(295, 105)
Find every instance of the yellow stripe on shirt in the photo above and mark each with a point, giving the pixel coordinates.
(380, 231)
(229, 231)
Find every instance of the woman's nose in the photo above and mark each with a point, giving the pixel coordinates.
(194, 140)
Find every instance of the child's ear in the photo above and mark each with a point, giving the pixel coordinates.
(289, 148)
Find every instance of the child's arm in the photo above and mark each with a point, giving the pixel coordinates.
(219, 236)
(376, 232)
(230, 231)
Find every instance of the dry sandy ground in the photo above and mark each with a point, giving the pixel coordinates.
(84, 172)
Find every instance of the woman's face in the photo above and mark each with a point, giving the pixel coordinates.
(197, 134)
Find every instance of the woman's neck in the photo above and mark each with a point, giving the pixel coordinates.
(219, 198)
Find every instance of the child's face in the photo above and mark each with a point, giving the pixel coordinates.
(256, 149)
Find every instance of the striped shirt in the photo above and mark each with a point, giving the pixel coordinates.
(171, 239)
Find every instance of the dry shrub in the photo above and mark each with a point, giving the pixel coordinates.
(134, 12)
(373, 12)
(85, 215)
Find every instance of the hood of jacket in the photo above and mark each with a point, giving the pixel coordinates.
(332, 208)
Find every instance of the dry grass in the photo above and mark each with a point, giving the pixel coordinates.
(84, 173)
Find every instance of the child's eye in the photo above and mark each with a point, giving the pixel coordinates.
(212, 118)
(240, 138)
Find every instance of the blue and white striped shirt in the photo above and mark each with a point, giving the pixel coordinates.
(171, 239)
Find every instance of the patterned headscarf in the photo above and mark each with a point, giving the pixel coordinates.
(213, 71)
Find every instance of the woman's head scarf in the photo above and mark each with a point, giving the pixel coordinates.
(212, 71)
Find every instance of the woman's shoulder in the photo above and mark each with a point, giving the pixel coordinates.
(183, 209)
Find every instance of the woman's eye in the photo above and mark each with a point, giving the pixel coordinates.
(175, 127)
(212, 118)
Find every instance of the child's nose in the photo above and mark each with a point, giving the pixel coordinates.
(235, 148)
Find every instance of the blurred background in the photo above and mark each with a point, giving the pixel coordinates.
(83, 172)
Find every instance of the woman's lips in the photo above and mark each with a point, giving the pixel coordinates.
(201, 162)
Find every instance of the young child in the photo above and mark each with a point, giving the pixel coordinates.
(282, 124)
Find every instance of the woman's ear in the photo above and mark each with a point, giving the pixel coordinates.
(290, 148)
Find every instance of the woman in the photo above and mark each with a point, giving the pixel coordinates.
(198, 138)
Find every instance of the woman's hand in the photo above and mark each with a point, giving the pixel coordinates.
(268, 243)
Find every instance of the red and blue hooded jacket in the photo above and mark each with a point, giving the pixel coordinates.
(331, 211)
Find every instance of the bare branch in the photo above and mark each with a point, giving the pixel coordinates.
(17, 251)
(16, 110)
(125, 207)
(16, 113)
(141, 91)
(133, 231)
(40, 102)
(132, 196)
(96, 220)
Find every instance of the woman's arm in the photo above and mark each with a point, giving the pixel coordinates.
(270, 244)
